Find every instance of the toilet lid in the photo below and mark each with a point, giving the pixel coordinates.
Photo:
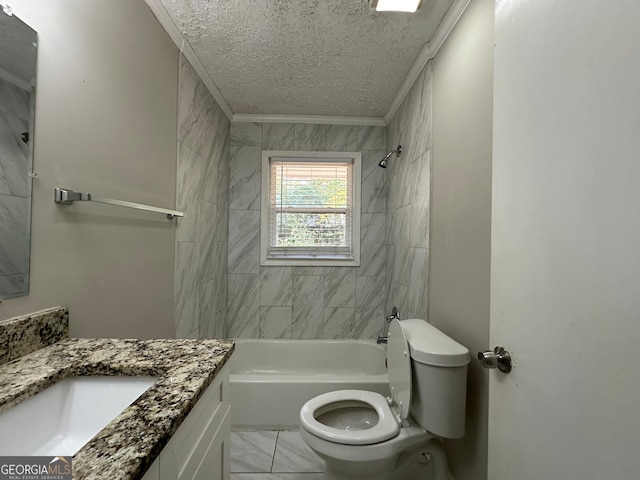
(387, 426)
(399, 368)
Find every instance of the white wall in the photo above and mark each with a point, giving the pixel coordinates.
(105, 123)
(460, 243)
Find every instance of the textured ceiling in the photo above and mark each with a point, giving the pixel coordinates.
(305, 57)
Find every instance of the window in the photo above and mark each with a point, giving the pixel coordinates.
(310, 208)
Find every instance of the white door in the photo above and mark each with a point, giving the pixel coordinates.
(565, 260)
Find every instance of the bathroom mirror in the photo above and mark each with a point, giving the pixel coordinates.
(18, 49)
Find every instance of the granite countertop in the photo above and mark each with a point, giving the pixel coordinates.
(128, 445)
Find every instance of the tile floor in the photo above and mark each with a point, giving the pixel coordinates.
(272, 455)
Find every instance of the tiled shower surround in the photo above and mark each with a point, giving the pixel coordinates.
(202, 193)
(304, 302)
(221, 288)
(408, 200)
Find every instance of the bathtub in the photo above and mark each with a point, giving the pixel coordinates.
(272, 379)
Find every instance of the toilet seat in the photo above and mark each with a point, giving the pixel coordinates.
(387, 426)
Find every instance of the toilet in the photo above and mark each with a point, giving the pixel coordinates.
(362, 434)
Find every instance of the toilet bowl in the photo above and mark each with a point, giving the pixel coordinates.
(362, 434)
(350, 417)
(357, 434)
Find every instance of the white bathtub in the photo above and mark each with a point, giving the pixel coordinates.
(272, 379)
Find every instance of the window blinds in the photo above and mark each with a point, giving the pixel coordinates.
(311, 204)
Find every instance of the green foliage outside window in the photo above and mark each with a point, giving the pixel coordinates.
(311, 228)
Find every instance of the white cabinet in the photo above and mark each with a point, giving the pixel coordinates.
(200, 448)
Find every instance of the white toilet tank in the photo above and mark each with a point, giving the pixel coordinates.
(439, 379)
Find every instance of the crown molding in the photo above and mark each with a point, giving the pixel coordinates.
(178, 39)
(427, 53)
(448, 22)
(315, 119)
(423, 58)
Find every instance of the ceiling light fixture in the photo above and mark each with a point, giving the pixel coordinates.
(409, 6)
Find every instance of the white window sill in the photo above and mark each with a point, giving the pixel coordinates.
(315, 261)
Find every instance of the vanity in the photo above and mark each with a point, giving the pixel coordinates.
(179, 428)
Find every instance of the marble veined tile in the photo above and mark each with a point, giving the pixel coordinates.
(307, 301)
(418, 291)
(188, 184)
(372, 138)
(216, 172)
(208, 308)
(215, 161)
(14, 100)
(401, 240)
(372, 245)
(243, 314)
(373, 198)
(188, 316)
(310, 137)
(339, 322)
(245, 178)
(187, 300)
(308, 270)
(293, 455)
(252, 451)
(340, 287)
(16, 161)
(244, 241)
(246, 134)
(191, 107)
(370, 314)
(222, 201)
(342, 138)
(402, 185)
(276, 284)
(278, 136)
(420, 116)
(206, 225)
(275, 322)
(14, 285)
(205, 236)
(14, 232)
(420, 203)
(397, 297)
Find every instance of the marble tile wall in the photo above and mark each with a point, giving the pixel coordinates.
(304, 302)
(202, 193)
(15, 190)
(408, 197)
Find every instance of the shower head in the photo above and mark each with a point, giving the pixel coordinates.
(383, 163)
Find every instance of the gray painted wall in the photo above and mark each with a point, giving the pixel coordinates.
(461, 213)
(303, 302)
(106, 113)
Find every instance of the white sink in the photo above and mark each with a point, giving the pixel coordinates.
(63, 418)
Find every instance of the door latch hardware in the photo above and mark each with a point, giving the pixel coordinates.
(499, 358)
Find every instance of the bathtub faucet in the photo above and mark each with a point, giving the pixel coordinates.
(394, 315)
